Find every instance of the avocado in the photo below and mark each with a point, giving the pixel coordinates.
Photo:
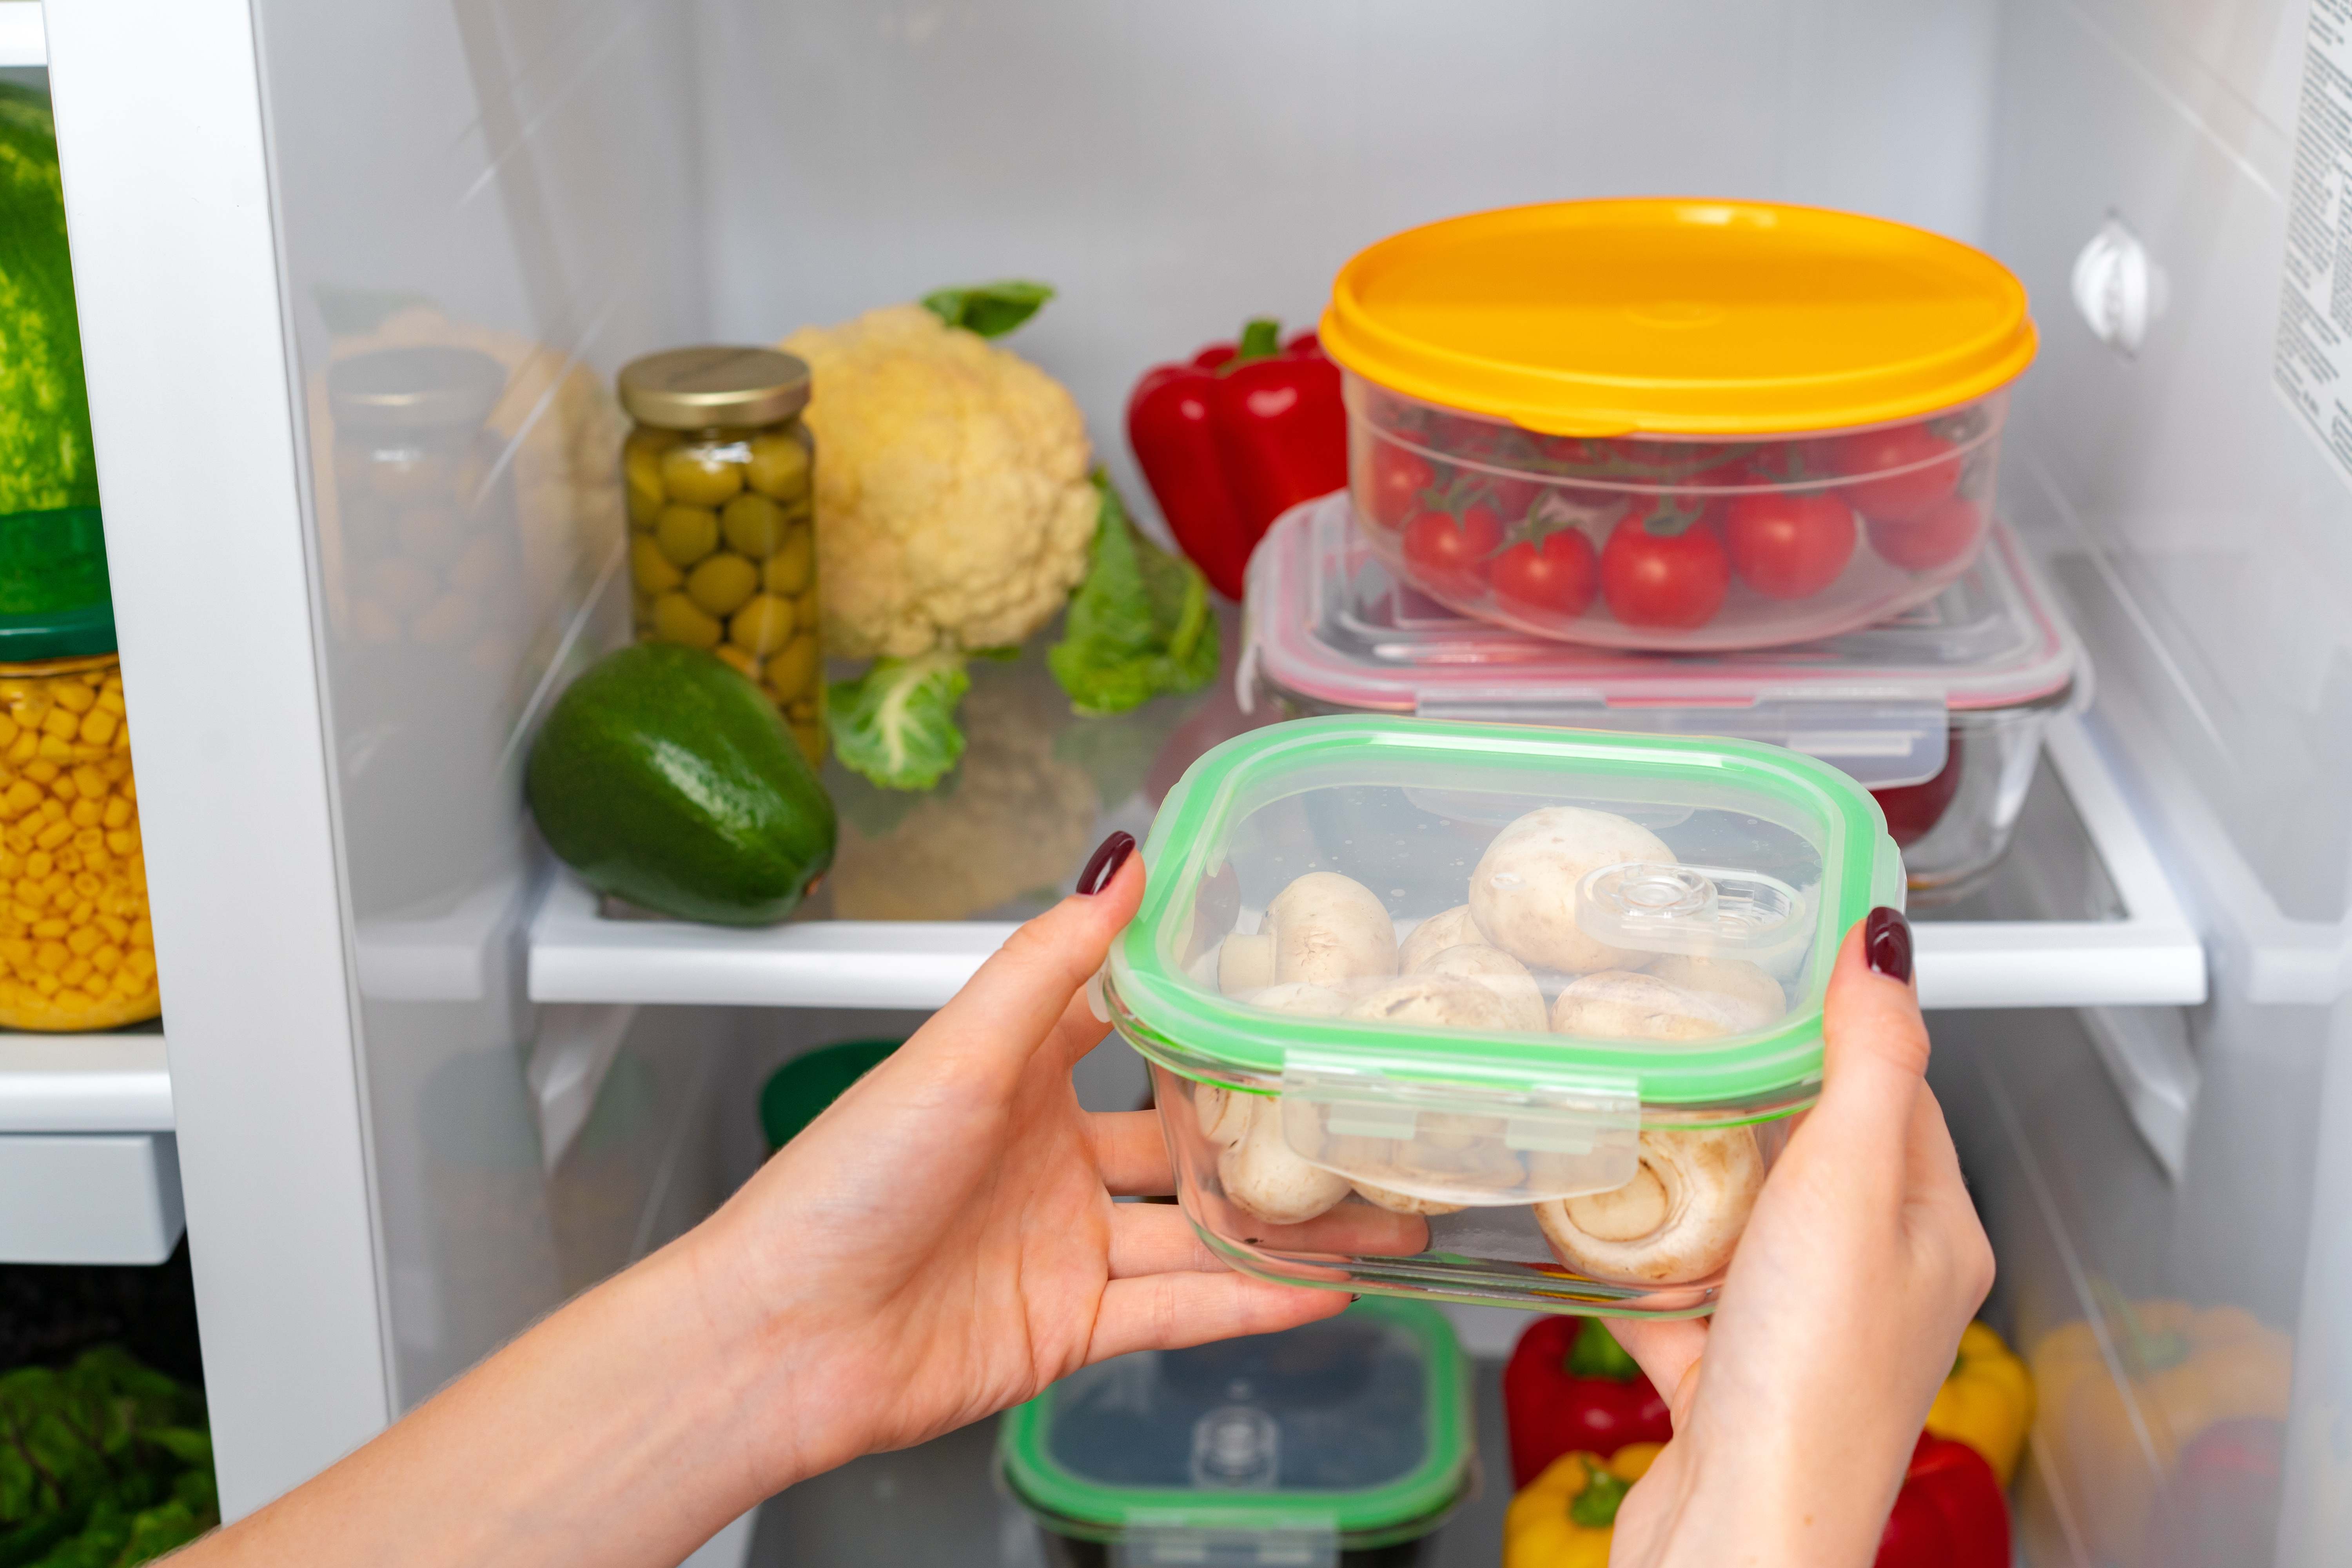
(666, 778)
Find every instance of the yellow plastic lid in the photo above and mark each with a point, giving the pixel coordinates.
(1679, 317)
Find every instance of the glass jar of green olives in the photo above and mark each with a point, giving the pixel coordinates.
(719, 471)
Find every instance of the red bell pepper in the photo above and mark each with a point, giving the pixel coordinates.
(1569, 1387)
(1950, 1514)
(1235, 439)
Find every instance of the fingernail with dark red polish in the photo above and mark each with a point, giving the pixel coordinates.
(1112, 853)
(1886, 943)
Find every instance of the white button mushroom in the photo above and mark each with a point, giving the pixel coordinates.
(1434, 935)
(1263, 1175)
(1523, 891)
(1618, 1004)
(1445, 1001)
(1322, 929)
(1498, 972)
(1674, 1223)
(1748, 997)
(1298, 996)
(1223, 1113)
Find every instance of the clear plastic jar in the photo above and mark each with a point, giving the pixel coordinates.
(721, 476)
(78, 949)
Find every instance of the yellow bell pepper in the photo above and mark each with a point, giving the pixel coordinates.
(2113, 1445)
(1564, 1518)
(1987, 1402)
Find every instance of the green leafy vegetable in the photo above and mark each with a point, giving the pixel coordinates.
(992, 310)
(1138, 626)
(896, 724)
(46, 460)
(103, 1464)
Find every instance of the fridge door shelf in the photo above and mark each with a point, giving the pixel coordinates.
(89, 1171)
(2147, 955)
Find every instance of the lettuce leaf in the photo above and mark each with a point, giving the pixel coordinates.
(992, 310)
(1140, 625)
(896, 724)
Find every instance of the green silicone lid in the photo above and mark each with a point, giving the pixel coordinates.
(1358, 1425)
(54, 598)
(1404, 806)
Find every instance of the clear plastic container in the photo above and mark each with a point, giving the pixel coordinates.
(1345, 1441)
(1486, 1012)
(1939, 711)
(1681, 425)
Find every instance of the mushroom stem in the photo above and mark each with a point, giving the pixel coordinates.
(1675, 1223)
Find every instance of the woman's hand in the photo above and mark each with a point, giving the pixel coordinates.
(941, 1243)
(1796, 1407)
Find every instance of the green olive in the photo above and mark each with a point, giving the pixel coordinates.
(793, 671)
(687, 534)
(753, 524)
(735, 659)
(678, 618)
(787, 571)
(645, 510)
(780, 466)
(653, 571)
(761, 625)
(700, 477)
(722, 583)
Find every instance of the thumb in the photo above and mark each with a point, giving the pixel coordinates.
(1020, 994)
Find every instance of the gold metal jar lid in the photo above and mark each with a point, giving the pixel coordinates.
(693, 389)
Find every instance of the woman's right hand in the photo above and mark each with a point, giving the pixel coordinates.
(1797, 1405)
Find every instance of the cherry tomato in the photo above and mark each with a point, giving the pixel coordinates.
(1789, 546)
(1398, 477)
(1513, 496)
(1664, 568)
(1551, 578)
(1913, 810)
(1913, 449)
(1449, 554)
(1937, 537)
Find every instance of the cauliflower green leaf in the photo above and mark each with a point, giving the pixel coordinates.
(992, 310)
(896, 724)
(1140, 625)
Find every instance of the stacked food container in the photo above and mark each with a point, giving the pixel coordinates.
(1665, 602)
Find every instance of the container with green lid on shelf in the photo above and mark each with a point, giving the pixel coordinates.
(1675, 424)
(77, 950)
(1487, 1013)
(1344, 1441)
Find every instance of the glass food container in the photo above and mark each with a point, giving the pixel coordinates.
(1489, 1013)
(1939, 711)
(74, 934)
(719, 471)
(1345, 1441)
(1686, 426)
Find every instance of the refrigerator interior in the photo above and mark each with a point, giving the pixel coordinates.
(561, 184)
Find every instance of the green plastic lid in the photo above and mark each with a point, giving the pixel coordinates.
(1661, 865)
(55, 602)
(797, 1093)
(1356, 1427)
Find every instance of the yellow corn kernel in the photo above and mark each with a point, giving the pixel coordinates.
(24, 913)
(98, 727)
(62, 725)
(121, 742)
(85, 814)
(115, 769)
(47, 985)
(53, 750)
(69, 862)
(39, 863)
(43, 774)
(73, 697)
(72, 1000)
(76, 972)
(97, 858)
(55, 833)
(91, 783)
(84, 942)
(128, 788)
(8, 729)
(64, 794)
(114, 813)
(111, 699)
(50, 957)
(99, 841)
(141, 934)
(106, 958)
(52, 812)
(25, 747)
(31, 894)
(122, 840)
(126, 983)
(116, 929)
(138, 962)
(135, 879)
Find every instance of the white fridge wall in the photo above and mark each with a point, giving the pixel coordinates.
(1176, 169)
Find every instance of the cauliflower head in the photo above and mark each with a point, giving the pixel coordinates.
(953, 504)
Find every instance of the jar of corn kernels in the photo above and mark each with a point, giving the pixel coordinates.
(76, 948)
(722, 541)
(78, 952)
